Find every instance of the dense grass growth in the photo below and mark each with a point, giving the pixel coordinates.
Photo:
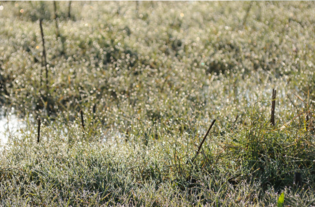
(150, 82)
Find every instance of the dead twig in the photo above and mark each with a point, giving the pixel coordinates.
(199, 148)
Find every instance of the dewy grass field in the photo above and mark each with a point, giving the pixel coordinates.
(150, 78)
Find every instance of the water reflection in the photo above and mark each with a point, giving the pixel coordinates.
(10, 125)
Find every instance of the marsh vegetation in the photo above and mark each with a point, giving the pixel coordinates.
(149, 79)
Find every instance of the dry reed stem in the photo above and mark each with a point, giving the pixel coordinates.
(44, 54)
(82, 119)
(56, 20)
(38, 130)
(273, 106)
(247, 12)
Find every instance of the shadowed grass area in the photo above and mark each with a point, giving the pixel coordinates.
(149, 79)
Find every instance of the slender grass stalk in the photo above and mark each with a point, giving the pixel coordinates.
(286, 124)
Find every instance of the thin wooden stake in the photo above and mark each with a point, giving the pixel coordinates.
(69, 10)
(44, 54)
(199, 148)
(56, 20)
(82, 120)
(273, 106)
(38, 130)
